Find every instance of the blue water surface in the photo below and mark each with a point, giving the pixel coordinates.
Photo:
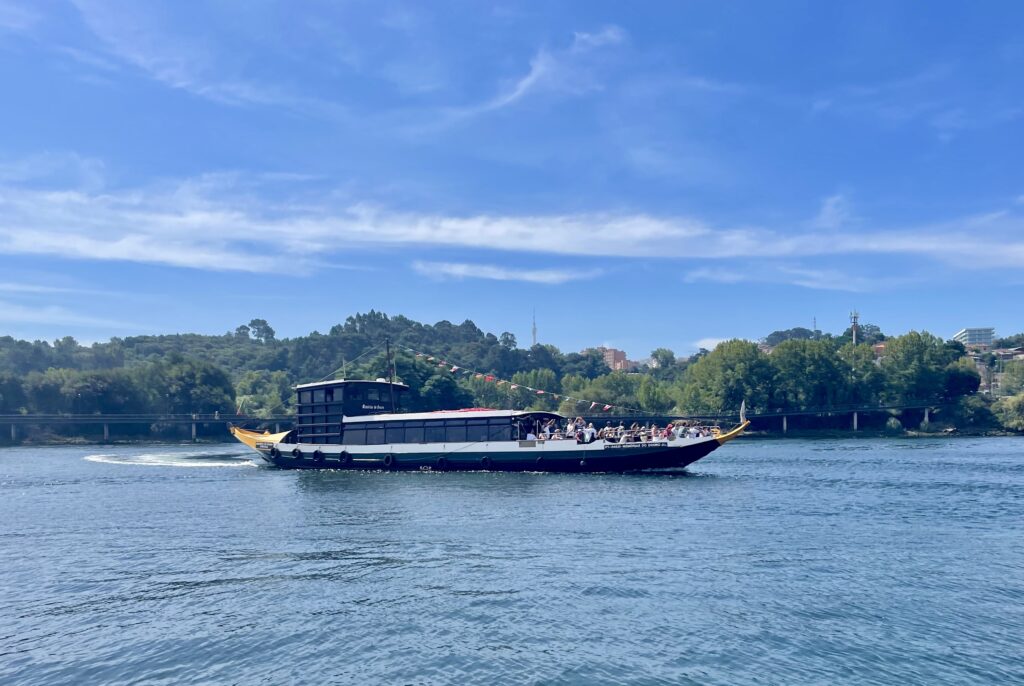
(870, 561)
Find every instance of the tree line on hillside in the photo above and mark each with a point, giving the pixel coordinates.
(251, 371)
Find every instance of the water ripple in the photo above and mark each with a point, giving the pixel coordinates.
(854, 562)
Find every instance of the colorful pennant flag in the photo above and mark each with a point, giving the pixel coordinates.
(593, 405)
(488, 378)
(454, 369)
(607, 407)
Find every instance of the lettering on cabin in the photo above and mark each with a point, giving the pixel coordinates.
(615, 446)
(260, 445)
(372, 407)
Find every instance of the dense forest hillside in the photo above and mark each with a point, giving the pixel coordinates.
(251, 371)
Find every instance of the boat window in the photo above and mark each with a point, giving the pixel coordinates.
(374, 434)
(476, 431)
(395, 433)
(318, 395)
(355, 436)
(372, 395)
(499, 430)
(329, 395)
(305, 397)
(435, 432)
(335, 408)
(455, 431)
(333, 419)
(414, 434)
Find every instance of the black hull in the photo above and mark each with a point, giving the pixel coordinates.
(608, 459)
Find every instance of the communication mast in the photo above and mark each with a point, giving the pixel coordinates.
(854, 319)
(534, 330)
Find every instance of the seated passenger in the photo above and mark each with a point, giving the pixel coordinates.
(590, 433)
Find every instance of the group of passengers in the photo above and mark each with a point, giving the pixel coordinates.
(584, 432)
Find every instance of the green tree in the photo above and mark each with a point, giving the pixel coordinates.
(652, 397)
(1010, 411)
(1013, 377)
(538, 379)
(264, 393)
(12, 395)
(914, 368)
(261, 330)
(662, 358)
(798, 333)
(731, 373)
(810, 374)
(960, 379)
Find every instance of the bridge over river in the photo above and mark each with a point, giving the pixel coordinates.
(770, 421)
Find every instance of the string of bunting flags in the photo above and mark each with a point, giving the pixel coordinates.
(490, 378)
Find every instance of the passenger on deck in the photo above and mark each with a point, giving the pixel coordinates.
(590, 433)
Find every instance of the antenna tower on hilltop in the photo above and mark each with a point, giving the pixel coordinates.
(854, 325)
(534, 330)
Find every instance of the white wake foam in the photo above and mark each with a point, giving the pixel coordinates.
(174, 459)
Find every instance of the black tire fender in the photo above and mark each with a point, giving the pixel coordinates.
(486, 462)
(296, 453)
(345, 458)
(389, 461)
(441, 464)
(275, 453)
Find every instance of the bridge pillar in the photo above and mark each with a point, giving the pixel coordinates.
(106, 432)
(854, 421)
(785, 424)
(193, 432)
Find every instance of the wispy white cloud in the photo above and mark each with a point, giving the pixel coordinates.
(814, 278)
(461, 270)
(834, 213)
(14, 313)
(61, 169)
(16, 16)
(560, 71)
(225, 222)
(926, 97)
(134, 34)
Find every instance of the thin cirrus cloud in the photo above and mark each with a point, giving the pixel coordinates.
(220, 223)
(462, 270)
(135, 36)
(564, 71)
(54, 315)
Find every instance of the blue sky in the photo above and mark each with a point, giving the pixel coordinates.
(658, 174)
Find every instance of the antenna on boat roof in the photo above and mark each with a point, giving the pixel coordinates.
(391, 372)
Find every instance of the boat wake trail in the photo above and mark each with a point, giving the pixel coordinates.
(176, 459)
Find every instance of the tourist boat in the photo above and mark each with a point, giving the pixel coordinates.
(348, 424)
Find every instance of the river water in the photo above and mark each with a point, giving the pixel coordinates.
(769, 562)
